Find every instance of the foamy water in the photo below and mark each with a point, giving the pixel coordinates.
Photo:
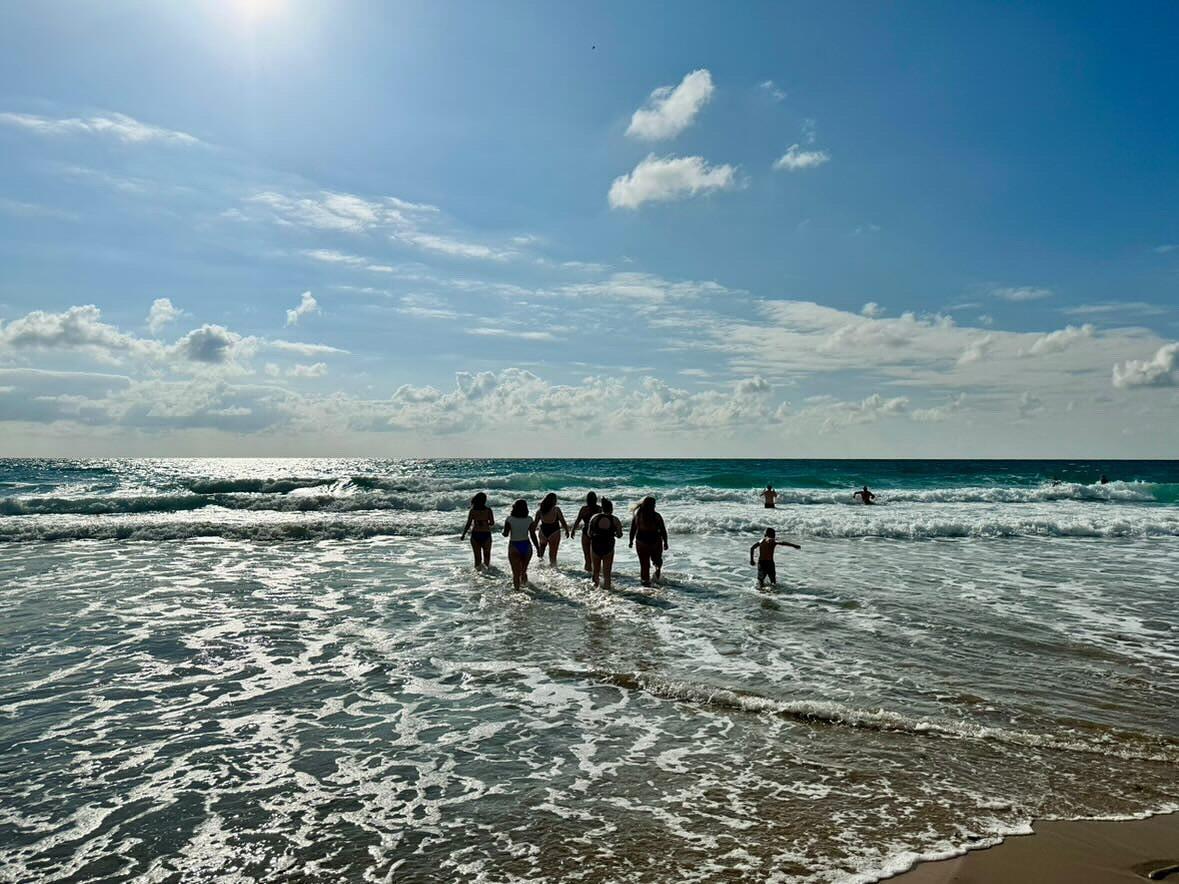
(241, 670)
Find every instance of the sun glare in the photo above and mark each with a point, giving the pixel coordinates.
(255, 11)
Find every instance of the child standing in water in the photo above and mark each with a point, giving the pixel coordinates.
(765, 557)
(521, 534)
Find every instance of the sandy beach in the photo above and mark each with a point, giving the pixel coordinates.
(1069, 852)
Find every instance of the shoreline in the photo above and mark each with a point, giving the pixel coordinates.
(1064, 852)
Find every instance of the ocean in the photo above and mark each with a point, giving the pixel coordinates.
(288, 670)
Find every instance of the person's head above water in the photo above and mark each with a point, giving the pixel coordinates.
(479, 501)
(520, 508)
(607, 505)
(591, 498)
(770, 532)
(550, 501)
(647, 505)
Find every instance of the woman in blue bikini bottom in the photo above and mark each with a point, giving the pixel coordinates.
(521, 533)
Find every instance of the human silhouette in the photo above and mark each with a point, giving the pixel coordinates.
(648, 536)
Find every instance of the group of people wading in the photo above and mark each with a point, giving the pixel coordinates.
(600, 528)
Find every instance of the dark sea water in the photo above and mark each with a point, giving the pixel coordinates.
(287, 670)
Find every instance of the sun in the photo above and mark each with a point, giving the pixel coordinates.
(255, 11)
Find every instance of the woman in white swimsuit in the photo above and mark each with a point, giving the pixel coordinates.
(521, 534)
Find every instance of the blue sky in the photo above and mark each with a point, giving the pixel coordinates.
(273, 226)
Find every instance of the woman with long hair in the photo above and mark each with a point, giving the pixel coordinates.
(551, 522)
(521, 534)
(648, 536)
(604, 529)
(480, 522)
(584, 515)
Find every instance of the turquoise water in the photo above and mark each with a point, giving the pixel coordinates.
(287, 670)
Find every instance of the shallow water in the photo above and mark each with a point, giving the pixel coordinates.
(298, 676)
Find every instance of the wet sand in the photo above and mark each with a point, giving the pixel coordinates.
(1078, 852)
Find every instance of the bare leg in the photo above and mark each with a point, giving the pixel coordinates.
(514, 561)
(597, 568)
(475, 551)
(524, 569)
(644, 563)
(487, 554)
(607, 567)
(554, 545)
(585, 548)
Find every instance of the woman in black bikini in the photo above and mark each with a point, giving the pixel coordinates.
(480, 522)
(604, 529)
(648, 529)
(551, 522)
(584, 515)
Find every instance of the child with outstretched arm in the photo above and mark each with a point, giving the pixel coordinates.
(765, 557)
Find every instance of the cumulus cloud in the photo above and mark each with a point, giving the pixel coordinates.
(872, 310)
(663, 179)
(671, 109)
(797, 158)
(162, 313)
(1062, 339)
(1159, 371)
(307, 305)
(210, 344)
(78, 328)
(315, 370)
(1021, 293)
(117, 126)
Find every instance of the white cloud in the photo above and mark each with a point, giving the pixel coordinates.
(975, 350)
(456, 248)
(118, 126)
(332, 256)
(77, 328)
(1159, 371)
(316, 370)
(1021, 293)
(326, 210)
(307, 304)
(796, 159)
(162, 313)
(1138, 308)
(649, 287)
(662, 179)
(770, 88)
(670, 110)
(1062, 339)
(489, 332)
(302, 349)
(872, 310)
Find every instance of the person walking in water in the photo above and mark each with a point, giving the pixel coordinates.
(551, 522)
(521, 533)
(648, 530)
(865, 495)
(765, 557)
(769, 496)
(584, 515)
(604, 529)
(480, 522)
